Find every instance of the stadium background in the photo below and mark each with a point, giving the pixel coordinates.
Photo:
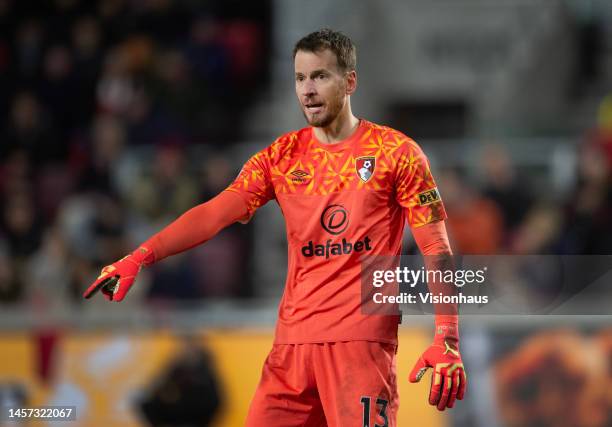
(118, 115)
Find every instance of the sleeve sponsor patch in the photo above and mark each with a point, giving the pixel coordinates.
(428, 197)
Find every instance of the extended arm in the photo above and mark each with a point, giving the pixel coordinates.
(194, 227)
(198, 225)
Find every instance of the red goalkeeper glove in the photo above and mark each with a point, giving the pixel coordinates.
(116, 279)
(448, 380)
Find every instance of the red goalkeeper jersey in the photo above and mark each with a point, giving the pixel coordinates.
(340, 201)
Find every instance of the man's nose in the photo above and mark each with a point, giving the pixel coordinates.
(308, 88)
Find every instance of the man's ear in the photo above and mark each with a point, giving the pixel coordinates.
(351, 82)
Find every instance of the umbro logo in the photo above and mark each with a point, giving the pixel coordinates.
(299, 176)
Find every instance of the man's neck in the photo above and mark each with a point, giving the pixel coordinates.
(339, 130)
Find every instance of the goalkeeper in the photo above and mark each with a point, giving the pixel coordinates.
(346, 187)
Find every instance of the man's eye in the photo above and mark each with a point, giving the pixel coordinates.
(322, 76)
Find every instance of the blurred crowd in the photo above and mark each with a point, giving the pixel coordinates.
(103, 104)
(117, 118)
(503, 211)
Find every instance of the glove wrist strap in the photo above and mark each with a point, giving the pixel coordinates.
(447, 327)
(143, 256)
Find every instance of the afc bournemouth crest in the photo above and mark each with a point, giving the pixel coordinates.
(364, 166)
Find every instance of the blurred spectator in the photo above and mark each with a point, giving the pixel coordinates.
(539, 232)
(21, 225)
(58, 90)
(147, 123)
(588, 228)
(108, 231)
(173, 85)
(216, 63)
(86, 40)
(217, 172)
(30, 129)
(166, 189)
(554, 379)
(475, 222)
(208, 56)
(10, 285)
(243, 40)
(16, 173)
(591, 44)
(601, 136)
(173, 282)
(53, 184)
(116, 87)
(22, 231)
(7, 18)
(187, 393)
(49, 272)
(97, 163)
(502, 185)
(115, 15)
(87, 44)
(29, 48)
(167, 19)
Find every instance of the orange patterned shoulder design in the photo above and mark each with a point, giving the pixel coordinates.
(375, 158)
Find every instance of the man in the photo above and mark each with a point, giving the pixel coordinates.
(330, 364)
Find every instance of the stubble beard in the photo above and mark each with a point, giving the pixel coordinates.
(321, 121)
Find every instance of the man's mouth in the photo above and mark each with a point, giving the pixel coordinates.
(314, 107)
